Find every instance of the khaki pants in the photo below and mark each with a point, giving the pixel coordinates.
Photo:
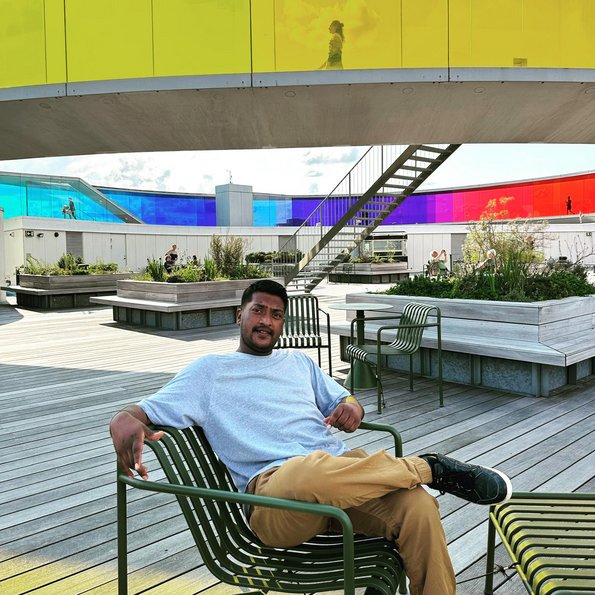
(381, 494)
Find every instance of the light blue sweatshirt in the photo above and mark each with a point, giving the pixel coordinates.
(256, 411)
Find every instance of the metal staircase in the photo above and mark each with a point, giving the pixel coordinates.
(376, 185)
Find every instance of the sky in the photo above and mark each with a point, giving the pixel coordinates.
(302, 171)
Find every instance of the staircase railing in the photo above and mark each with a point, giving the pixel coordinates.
(382, 178)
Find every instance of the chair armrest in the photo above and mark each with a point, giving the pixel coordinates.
(370, 319)
(402, 326)
(376, 427)
(240, 498)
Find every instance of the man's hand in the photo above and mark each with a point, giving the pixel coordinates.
(347, 416)
(129, 430)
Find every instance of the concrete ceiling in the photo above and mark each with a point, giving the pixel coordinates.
(299, 116)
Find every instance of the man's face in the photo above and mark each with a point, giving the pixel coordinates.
(261, 322)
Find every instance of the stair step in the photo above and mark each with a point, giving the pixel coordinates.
(431, 148)
(396, 186)
(416, 157)
(402, 177)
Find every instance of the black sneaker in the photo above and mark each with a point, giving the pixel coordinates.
(477, 484)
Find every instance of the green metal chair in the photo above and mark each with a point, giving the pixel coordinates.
(302, 327)
(412, 323)
(212, 508)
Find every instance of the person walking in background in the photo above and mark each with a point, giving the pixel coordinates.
(569, 206)
(335, 47)
(71, 207)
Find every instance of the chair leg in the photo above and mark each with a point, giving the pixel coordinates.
(330, 361)
(411, 372)
(489, 582)
(122, 539)
(379, 387)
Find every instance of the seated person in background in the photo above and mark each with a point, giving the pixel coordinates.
(268, 415)
(168, 264)
(437, 263)
(490, 262)
(195, 262)
(66, 211)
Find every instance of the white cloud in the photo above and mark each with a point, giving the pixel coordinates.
(290, 171)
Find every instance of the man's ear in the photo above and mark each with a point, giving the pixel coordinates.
(238, 315)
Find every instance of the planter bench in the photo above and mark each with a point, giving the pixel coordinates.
(54, 292)
(361, 272)
(526, 348)
(176, 306)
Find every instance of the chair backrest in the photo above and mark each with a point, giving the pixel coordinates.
(411, 329)
(218, 528)
(301, 317)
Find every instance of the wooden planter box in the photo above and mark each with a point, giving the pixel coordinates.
(528, 348)
(177, 306)
(53, 292)
(369, 272)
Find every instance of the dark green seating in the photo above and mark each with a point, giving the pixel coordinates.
(212, 508)
(302, 327)
(412, 323)
(551, 540)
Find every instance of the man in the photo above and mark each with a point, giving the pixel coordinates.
(268, 413)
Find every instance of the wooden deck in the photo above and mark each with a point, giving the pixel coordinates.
(64, 374)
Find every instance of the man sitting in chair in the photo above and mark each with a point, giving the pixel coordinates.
(268, 415)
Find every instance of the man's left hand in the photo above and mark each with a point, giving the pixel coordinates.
(346, 417)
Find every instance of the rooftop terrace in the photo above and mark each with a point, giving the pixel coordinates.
(63, 374)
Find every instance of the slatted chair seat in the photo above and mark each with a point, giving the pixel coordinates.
(550, 539)
(212, 508)
(412, 323)
(301, 329)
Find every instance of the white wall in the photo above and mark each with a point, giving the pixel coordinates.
(128, 245)
(131, 245)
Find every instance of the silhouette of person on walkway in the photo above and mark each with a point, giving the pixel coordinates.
(335, 47)
(569, 206)
(71, 207)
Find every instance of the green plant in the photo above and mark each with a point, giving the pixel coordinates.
(69, 262)
(35, 267)
(210, 270)
(102, 267)
(227, 254)
(187, 274)
(155, 269)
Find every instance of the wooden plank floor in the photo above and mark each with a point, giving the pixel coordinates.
(64, 374)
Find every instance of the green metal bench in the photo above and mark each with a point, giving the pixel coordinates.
(212, 508)
(302, 327)
(550, 539)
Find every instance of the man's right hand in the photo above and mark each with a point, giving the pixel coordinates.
(129, 430)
